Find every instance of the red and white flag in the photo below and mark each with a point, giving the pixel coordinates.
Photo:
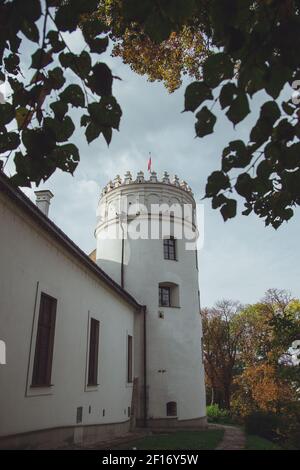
(149, 162)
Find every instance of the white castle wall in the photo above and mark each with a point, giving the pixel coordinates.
(32, 263)
(173, 342)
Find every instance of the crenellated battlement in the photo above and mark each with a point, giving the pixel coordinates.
(140, 179)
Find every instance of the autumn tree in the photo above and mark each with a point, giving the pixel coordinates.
(149, 50)
(235, 48)
(268, 379)
(254, 47)
(222, 338)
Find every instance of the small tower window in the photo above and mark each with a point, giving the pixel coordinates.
(172, 408)
(170, 248)
(164, 296)
(168, 294)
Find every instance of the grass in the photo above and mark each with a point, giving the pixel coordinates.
(259, 443)
(187, 440)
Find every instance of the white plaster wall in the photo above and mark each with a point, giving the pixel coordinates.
(30, 263)
(173, 342)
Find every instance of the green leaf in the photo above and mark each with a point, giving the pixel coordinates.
(61, 129)
(205, 122)
(7, 114)
(98, 45)
(101, 80)
(41, 59)
(56, 43)
(284, 131)
(9, 141)
(216, 68)
(244, 185)
(66, 18)
(239, 109)
(270, 110)
(236, 155)
(92, 132)
(30, 30)
(195, 94)
(278, 76)
(56, 78)
(107, 134)
(218, 201)
(22, 115)
(215, 183)
(228, 210)
(12, 64)
(229, 90)
(60, 108)
(66, 157)
(106, 113)
(73, 94)
(84, 120)
(83, 64)
(38, 142)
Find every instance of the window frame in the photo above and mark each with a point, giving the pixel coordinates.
(42, 378)
(129, 359)
(161, 296)
(93, 355)
(170, 248)
(171, 409)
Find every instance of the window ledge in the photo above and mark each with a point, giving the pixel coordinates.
(168, 306)
(91, 387)
(35, 386)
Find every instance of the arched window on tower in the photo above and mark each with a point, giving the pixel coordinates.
(172, 408)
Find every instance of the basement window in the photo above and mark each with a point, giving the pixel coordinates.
(172, 408)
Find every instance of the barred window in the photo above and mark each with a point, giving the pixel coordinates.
(164, 296)
(170, 248)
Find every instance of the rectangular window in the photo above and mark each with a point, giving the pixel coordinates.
(170, 248)
(164, 297)
(93, 352)
(42, 365)
(129, 359)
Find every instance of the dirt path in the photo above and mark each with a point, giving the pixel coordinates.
(233, 439)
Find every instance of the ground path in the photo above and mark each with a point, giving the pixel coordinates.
(233, 439)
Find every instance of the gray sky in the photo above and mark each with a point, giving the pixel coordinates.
(241, 258)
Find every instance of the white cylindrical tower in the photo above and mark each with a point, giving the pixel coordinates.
(144, 230)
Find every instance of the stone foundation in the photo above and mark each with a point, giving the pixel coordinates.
(67, 436)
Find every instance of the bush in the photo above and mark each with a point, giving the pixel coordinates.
(264, 424)
(217, 415)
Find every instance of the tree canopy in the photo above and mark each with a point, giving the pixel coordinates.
(35, 122)
(247, 354)
(234, 49)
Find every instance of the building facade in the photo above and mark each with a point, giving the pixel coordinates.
(88, 349)
(150, 252)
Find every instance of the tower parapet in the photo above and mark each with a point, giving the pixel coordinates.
(140, 179)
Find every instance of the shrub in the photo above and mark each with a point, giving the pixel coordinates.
(264, 424)
(217, 415)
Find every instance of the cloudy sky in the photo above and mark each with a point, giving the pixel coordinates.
(241, 258)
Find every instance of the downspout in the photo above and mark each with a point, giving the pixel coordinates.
(122, 259)
(145, 368)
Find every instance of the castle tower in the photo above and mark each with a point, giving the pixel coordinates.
(144, 231)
